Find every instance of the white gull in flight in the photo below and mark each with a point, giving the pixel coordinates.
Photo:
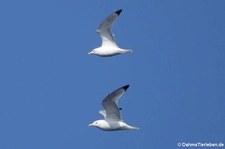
(109, 46)
(111, 113)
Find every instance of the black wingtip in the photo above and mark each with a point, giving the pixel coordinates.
(125, 87)
(118, 12)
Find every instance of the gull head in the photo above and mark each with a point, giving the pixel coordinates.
(101, 124)
(95, 123)
(92, 52)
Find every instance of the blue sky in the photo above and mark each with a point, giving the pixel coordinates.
(51, 89)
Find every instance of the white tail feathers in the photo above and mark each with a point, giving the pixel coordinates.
(128, 51)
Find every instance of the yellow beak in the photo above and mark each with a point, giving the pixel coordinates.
(90, 125)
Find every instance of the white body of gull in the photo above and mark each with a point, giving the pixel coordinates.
(111, 113)
(109, 46)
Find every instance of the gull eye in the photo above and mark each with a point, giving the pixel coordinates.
(96, 122)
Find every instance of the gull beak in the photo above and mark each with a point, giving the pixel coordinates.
(90, 125)
(90, 53)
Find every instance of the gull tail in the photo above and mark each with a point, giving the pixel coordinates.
(135, 128)
(132, 128)
(128, 51)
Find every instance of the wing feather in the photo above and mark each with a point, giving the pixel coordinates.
(110, 104)
(105, 29)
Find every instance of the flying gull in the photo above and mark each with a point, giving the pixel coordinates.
(111, 112)
(109, 46)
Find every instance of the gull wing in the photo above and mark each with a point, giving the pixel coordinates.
(103, 113)
(110, 104)
(105, 29)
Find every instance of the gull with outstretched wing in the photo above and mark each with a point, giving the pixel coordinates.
(111, 112)
(109, 46)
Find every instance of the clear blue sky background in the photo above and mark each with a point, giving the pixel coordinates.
(50, 89)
